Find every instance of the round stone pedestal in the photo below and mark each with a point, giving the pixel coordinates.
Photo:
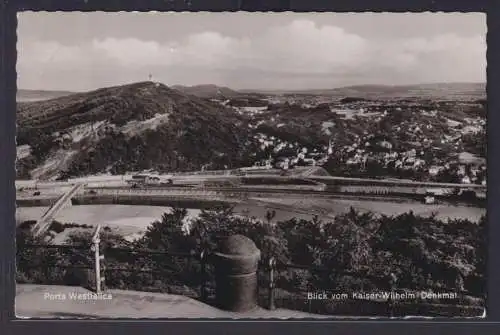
(236, 261)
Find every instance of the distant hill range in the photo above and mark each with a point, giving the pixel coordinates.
(217, 92)
(449, 91)
(37, 95)
(208, 91)
(442, 91)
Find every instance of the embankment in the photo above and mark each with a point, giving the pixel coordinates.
(148, 200)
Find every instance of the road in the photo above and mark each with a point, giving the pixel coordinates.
(396, 182)
(196, 177)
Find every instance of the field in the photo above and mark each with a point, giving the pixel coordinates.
(128, 221)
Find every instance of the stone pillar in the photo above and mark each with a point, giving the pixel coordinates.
(236, 261)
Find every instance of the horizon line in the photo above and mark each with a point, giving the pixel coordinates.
(257, 89)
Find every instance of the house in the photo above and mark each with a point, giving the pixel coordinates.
(429, 200)
(310, 161)
(436, 191)
(474, 170)
(385, 144)
(351, 161)
(461, 170)
(283, 163)
(434, 170)
(409, 162)
(419, 163)
(412, 153)
(468, 158)
(330, 148)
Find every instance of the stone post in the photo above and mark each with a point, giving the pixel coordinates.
(236, 261)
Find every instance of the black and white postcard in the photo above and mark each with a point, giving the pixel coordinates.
(251, 165)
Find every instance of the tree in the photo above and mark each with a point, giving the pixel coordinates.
(270, 215)
(167, 234)
(353, 251)
(212, 225)
(374, 168)
(448, 176)
(41, 148)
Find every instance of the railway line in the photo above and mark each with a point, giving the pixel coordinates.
(320, 188)
(220, 192)
(303, 190)
(226, 193)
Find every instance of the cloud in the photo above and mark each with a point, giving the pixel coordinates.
(130, 51)
(288, 56)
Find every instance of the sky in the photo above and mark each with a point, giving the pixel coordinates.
(79, 51)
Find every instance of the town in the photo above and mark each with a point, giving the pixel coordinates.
(433, 141)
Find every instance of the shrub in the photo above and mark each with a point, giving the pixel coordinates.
(57, 227)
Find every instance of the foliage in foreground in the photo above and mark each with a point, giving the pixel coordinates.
(352, 252)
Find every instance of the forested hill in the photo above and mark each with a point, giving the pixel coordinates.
(138, 126)
(208, 91)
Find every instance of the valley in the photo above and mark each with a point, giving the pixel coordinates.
(244, 145)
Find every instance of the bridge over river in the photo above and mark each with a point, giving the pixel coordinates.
(63, 201)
